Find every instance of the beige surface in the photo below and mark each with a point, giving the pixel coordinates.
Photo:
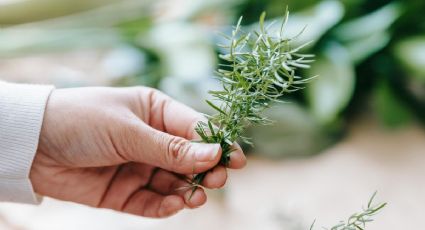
(283, 194)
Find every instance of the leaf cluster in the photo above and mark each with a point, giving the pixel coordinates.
(358, 221)
(258, 68)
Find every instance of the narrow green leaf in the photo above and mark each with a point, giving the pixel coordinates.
(215, 107)
(262, 19)
(210, 126)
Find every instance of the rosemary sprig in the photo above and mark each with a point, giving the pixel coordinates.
(358, 221)
(259, 68)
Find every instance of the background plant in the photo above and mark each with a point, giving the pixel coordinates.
(358, 221)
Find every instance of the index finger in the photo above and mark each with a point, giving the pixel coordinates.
(175, 118)
(171, 116)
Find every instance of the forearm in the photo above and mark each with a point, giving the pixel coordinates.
(21, 115)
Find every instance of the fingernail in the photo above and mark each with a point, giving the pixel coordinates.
(206, 152)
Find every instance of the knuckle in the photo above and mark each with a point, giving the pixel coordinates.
(149, 103)
(155, 95)
(178, 149)
(140, 92)
(158, 102)
(140, 89)
(144, 93)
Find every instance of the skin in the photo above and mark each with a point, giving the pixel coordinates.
(126, 149)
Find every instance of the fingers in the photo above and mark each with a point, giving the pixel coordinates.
(216, 178)
(237, 157)
(164, 192)
(166, 183)
(150, 204)
(127, 179)
(147, 145)
(164, 142)
(144, 144)
(168, 115)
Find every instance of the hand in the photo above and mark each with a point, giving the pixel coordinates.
(126, 149)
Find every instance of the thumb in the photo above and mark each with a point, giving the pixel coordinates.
(173, 153)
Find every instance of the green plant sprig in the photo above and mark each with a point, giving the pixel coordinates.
(358, 221)
(259, 68)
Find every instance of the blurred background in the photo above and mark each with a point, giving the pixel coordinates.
(357, 128)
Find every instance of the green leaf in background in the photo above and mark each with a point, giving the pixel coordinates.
(367, 35)
(18, 12)
(363, 48)
(374, 22)
(330, 93)
(294, 133)
(390, 109)
(316, 19)
(411, 53)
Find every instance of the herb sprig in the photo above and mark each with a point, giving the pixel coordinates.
(358, 221)
(258, 68)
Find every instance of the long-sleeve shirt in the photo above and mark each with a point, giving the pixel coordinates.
(21, 116)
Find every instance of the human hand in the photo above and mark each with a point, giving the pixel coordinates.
(126, 149)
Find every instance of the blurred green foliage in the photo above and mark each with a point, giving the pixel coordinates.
(370, 54)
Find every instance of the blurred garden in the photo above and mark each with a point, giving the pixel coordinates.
(356, 128)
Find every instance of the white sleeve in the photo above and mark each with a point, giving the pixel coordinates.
(21, 115)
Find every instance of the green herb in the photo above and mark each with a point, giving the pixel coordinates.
(258, 68)
(358, 221)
